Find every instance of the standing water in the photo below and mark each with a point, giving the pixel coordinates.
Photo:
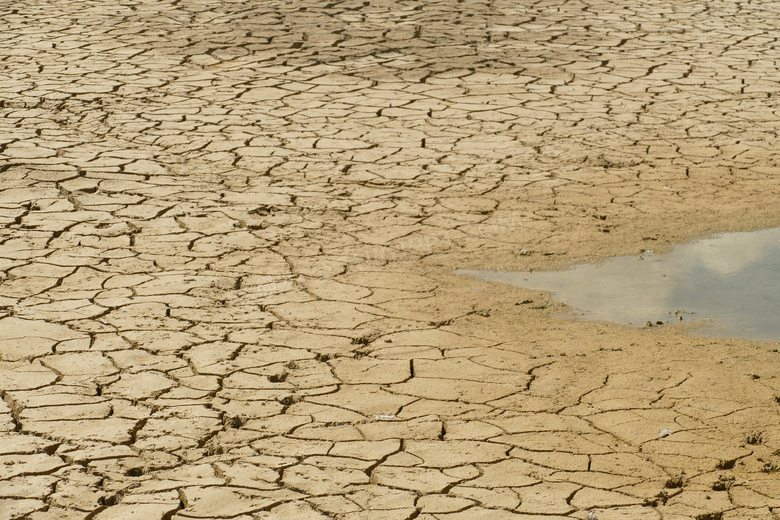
(729, 284)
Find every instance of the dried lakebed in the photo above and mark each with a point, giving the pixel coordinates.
(227, 233)
(726, 285)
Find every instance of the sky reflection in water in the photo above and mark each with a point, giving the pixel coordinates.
(732, 279)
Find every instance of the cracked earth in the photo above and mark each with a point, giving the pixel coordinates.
(227, 236)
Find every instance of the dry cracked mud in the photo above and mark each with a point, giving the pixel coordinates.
(227, 233)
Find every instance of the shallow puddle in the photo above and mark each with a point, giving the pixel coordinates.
(728, 285)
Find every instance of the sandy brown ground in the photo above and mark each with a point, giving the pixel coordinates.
(228, 232)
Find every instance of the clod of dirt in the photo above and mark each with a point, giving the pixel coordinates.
(675, 482)
(726, 464)
(723, 483)
(278, 378)
(289, 400)
(659, 499)
(710, 516)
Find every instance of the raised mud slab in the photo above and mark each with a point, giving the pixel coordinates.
(227, 231)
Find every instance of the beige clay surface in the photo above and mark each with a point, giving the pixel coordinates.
(227, 233)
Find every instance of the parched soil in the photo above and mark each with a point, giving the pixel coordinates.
(228, 231)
